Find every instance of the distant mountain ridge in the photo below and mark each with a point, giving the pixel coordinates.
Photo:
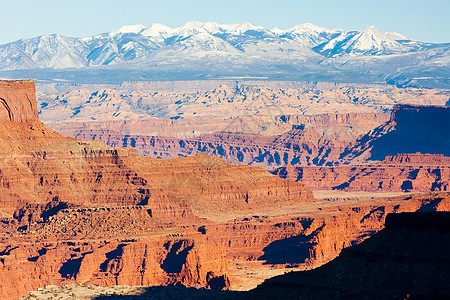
(239, 49)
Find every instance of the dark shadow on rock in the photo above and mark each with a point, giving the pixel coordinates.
(114, 254)
(430, 206)
(424, 129)
(70, 268)
(176, 258)
(292, 250)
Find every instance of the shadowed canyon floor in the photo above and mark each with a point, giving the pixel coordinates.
(82, 212)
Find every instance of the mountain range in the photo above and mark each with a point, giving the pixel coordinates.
(211, 50)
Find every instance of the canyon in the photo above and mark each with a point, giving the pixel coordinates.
(368, 152)
(85, 212)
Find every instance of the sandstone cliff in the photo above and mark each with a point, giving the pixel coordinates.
(409, 259)
(54, 191)
(297, 146)
(303, 140)
(18, 101)
(400, 173)
(410, 152)
(332, 126)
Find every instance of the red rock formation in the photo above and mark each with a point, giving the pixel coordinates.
(299, 146)
(341, 127)
(132, 249)
(45, 175)
(83, 212)
(409, 259)
(18, 101)
(404, 172)
(418, 159)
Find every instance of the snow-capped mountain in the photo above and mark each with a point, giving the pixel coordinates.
(370, 41)
(47, 51)
(310, 34)
(128, 29)
(158, 32)
(238, 48)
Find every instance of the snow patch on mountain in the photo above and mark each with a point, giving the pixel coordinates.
(370, 41)
(128, 29)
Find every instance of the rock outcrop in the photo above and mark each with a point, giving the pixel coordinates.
(332, 126)
(325, 140)
(400, 173)
(410, 152)
(409, 259)
(299, 146)
(127, 245)
(18, 101)
(78, 203)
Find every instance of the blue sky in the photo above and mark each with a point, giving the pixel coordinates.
(426, 21)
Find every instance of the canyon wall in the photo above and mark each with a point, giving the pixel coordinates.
(400, 173)
(303, 140)
(18, 101)
(342, 127)
(45, 177)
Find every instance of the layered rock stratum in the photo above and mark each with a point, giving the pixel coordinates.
(411, 129)
(400, 173)
(82, 211)
(318, 142)
(324, 152)
(44, 173)
(410, 152)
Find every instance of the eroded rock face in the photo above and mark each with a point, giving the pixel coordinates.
(75, 211)
(408, 259)
(400, 173)
(18, 101)
(192, 262)
(79, 204)
(299, 146)
(331, 126)
(127, 245)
